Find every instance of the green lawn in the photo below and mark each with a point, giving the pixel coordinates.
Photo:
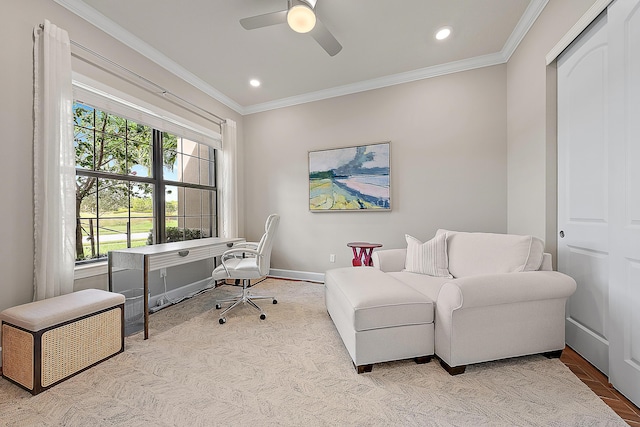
(116, 222)
(112, 246)
(115, 226)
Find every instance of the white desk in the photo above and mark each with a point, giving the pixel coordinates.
(156, 257)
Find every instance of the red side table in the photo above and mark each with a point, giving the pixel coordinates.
(362, 252)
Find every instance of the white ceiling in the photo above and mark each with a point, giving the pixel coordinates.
(384, 42)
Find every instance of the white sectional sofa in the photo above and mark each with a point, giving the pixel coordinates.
(467, 297)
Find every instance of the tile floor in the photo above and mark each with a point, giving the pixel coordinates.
(599, 384)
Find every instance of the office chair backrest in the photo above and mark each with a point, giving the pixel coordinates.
(266, 243)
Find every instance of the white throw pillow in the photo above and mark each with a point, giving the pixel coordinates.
(472, 254)
(427, 258)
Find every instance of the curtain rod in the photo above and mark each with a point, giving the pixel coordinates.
(162, 90)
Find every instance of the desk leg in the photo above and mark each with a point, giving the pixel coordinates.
(146, 296)
(110, 272)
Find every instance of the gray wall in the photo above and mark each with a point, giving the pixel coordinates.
(531, 124)
(448, 165)
(16, 111)
(470, 151)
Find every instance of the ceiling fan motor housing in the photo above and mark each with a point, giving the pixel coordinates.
(312, 26)
(310, 3)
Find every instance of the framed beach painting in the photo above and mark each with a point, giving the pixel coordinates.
(350, 179)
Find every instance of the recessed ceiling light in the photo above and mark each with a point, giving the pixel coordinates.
(443, 33)
(254, 82)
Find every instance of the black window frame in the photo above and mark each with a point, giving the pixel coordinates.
(158, 182)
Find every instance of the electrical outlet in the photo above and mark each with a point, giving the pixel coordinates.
(160, 302)
(332, 258)
(163, 272)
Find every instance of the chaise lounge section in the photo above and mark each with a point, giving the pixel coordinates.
(378, 318)
(493, 296)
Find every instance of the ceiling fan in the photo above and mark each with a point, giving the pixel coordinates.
(301, 17)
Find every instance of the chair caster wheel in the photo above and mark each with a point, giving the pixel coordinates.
(275, 301)
(222, 320)
(263, 316)
(218, 306)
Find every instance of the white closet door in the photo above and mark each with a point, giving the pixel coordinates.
(624, 85)
(583, 191)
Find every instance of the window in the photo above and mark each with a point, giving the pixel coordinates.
(189, 192)
(136, 185)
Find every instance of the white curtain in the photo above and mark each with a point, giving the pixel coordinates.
(53, 164)
(229, 199)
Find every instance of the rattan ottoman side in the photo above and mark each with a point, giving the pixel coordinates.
(17, 355)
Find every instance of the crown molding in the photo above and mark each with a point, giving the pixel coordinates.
(381, 82)
(97, 19)
(522, 27)
(519, 32)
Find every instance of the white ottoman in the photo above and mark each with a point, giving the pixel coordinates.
(379, 318)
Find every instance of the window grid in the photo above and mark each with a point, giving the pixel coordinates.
(125, 191)
(194, 216)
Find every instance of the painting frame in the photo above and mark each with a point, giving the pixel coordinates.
(355, 178)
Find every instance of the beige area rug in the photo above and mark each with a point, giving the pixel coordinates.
(292, 370)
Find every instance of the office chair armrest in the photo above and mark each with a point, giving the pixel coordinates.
(242, 247)
(252, 245)
(231, 253)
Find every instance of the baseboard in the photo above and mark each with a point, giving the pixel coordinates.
(591, 346)
(297, 275)
(189, 290)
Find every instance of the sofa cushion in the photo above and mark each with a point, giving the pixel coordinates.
(472, 254)
(373, 300)
(427, 258)
(426, 285)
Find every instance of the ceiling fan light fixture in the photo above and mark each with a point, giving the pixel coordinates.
(301, 18)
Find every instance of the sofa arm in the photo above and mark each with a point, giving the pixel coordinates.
(505, 288)
(389, 259)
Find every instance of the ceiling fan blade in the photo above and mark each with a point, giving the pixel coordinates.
(325, 39)
(265, 20)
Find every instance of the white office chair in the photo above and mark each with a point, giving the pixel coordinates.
(246, 261)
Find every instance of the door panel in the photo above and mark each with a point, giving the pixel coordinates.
(624, 350)
(583, 191)
(588, 306)
(587, 178)
(633, 293)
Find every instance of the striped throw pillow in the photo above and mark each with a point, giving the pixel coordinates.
(427, 258)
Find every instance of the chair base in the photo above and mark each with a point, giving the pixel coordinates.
(244, 298)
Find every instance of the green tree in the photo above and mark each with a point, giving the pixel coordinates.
(107, 143)
(141, 204)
